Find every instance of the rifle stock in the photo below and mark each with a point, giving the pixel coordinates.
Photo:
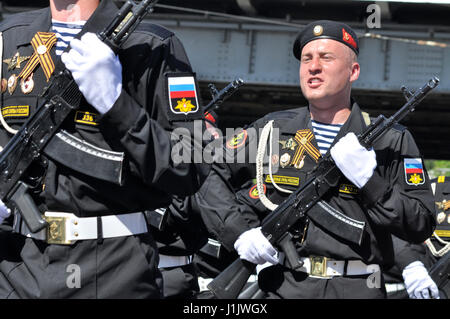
(295, 208)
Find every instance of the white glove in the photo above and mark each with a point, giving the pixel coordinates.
(4, 212)
(418, 282)
(253, 246)
(354, 161)
(96, 70)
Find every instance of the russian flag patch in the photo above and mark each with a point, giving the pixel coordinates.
(414, 173)
(182, 94)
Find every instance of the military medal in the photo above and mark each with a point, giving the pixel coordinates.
(304, 139)
(4, 85)
(27, 85)
(42, 43)
(440, 217)
(275, 159)
(285, 159)
(12, 83)
(302, 162)
(288, 144)
(15, 61)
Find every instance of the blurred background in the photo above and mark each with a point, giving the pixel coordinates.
(401, 43)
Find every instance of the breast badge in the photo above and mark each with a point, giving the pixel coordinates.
(15, 61)
(12, 83)
(27, 85)
(285, 159)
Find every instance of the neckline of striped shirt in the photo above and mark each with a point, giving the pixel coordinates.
(325, 134)
(65, 32)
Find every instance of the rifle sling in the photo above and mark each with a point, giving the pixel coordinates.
(85, 158)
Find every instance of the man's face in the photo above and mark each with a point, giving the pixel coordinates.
(327, 70)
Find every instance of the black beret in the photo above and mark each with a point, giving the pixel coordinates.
(326, 29)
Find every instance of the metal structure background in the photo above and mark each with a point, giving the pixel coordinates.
(222, 48)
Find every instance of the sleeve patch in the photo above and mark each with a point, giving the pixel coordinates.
(182, 97)
(414, 171)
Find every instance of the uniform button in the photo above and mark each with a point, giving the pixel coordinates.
(76, 234)
(75, 222)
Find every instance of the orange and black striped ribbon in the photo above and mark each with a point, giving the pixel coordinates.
(304, 137)
(47, 39)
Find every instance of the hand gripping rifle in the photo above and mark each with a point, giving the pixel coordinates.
(58, 100)
(305, 201)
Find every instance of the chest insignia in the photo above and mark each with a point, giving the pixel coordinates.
(15, 61)
(285, 159)
(304, 138)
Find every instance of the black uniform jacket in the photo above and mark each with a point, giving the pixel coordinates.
(388, 203)
(139, 126)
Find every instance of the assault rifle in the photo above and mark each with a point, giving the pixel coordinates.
(61, 97)
(219, 97)
(304, 202)
(440, 273)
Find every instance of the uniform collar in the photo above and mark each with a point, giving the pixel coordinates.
(41, 23)
(355, 122)
(301, 120)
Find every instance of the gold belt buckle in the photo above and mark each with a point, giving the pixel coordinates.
(318, 266)
(56, 230)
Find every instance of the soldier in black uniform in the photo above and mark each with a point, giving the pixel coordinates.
(380, 192)
(132, 104)
(439, 243)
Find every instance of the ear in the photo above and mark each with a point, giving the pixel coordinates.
(354, 75)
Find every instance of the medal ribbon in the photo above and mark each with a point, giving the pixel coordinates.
(304, 137)
(40, 40)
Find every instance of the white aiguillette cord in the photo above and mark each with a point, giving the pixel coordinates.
(2, 120)
(266, 135)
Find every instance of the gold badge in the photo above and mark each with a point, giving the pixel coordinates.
(87, 118)
(285, 159)
(15, 61)
(16, 111)
(348, 189)
(27, 85)
(287, 180)
(440, 217)
(288, 144)
(12, 83)
(4, 85)
(318, 30)
(301, 163)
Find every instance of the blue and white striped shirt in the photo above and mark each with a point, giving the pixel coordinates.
(325, 134)
(65, 32)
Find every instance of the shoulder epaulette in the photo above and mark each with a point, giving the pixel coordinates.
(441, 179)
(20, 19)
(159, 31)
